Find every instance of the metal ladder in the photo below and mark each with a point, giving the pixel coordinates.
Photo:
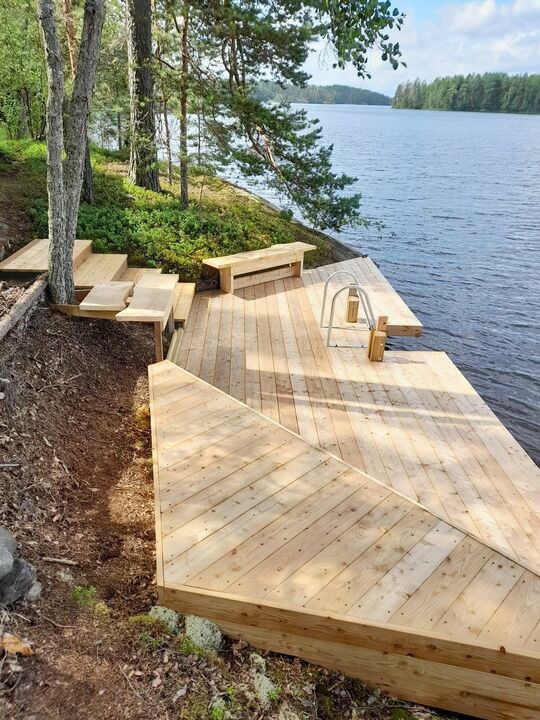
(364, 298)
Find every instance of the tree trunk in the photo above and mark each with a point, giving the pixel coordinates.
(164, 98)
(88, 180)
(143, 162)
(60, 260)
(77, 127)
(64, 181)
(184, 188)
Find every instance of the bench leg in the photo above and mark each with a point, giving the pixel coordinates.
(226, 282)
(298, 268)
(158, 341)
(170, 322)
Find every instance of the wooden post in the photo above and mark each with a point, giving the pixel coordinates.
(226, 280)
(382, 323)
(377, 341)
(158, 341)
(353, 304)
(170, 321)
(298, 267)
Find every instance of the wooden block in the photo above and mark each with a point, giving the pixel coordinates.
(376, 346)
(110, 296)
(382, 323)
(353, 305)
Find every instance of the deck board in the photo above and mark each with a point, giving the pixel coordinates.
(413, 422)
(254, 520)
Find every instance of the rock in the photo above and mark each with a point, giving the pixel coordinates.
(203, 633)
(17, 583)
(8, 541)
(168, 617)
(265, 690)
(6, 562)
(35, 592)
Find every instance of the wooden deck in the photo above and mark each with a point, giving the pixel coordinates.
(412, 422)
(384, 299)
(286, 545)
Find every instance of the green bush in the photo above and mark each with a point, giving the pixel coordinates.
(153, 228)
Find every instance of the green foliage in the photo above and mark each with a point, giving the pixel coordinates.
(490, 92)
(275, 694)
(85, 597)
(186, 646)
(236, 45)
(153, 229)
(321, 94)
(150, 633)
(23, 80)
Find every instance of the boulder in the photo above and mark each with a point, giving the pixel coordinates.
(6, 562)
(17, 583)
(7, 541)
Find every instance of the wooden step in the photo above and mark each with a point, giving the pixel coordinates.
(134, 274)
(183, 299)
(109, 297)
(174, 347)
(34, 257)
(100, 268)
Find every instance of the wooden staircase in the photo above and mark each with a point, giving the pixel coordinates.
(89, 268)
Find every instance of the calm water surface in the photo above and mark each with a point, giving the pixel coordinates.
(459, 196)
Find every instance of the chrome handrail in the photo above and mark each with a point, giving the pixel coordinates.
(366, 304)
(337, 272)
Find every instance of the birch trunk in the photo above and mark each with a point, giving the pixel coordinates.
(60, 280)
(79, 112)
(88, 180)
(143, 164)
(64, 181)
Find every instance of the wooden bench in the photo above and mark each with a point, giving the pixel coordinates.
(153, 302)
(259, 266)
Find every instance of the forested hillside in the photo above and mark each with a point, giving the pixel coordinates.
(490, 92)
(324, 94)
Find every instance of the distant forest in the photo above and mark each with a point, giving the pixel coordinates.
(490, 92)
(322, 94)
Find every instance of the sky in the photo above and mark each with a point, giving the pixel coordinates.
(442, 37)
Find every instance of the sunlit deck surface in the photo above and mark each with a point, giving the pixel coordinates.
(291, 548)
(413, 422)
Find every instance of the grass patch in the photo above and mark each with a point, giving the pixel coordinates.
(152, 228)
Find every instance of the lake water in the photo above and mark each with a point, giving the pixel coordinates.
(459, 196)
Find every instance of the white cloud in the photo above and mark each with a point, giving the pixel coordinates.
(475, 36)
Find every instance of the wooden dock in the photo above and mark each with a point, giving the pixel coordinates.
(412, 422)
(284, 544)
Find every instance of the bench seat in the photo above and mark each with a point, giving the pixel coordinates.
(259, 266)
